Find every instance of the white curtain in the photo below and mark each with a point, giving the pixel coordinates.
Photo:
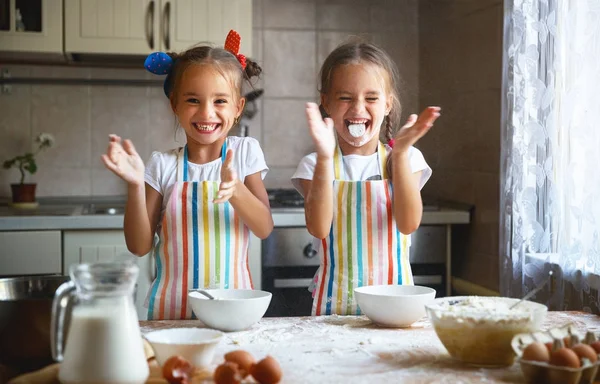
(550, 176)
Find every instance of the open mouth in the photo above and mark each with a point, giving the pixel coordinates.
(357, 127)
(206, 127)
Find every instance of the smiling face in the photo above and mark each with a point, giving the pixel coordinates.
(358, 102)
(206, 104)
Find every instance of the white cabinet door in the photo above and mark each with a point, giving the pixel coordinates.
(39, 28)
(30, 253)
(112, 26)
(108, 245)
(188, 22)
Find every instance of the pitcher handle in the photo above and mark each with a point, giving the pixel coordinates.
(62, 297)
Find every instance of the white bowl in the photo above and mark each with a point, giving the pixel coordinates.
(394, 306)
(196, 345)
(232, 310)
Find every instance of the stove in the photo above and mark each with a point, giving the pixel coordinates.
(285, 198)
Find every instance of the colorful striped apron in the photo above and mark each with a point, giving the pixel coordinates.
(201, 245)
(364, 247)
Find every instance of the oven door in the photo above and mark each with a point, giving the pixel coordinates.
(289, 264)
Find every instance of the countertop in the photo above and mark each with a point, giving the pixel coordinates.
(350, 349)
(69, 214)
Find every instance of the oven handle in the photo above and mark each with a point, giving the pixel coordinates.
(292, 283)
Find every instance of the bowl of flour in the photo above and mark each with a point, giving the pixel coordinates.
(478, 330)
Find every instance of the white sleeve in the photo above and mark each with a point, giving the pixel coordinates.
(153, 172)
(305, 170)
(418, 163)
(252, 158)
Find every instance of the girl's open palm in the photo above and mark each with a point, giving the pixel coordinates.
(124, 160)
(415, 128)
(321, 130)
(228, 179)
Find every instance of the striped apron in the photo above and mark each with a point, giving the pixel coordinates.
(363, 247)
(201, 245)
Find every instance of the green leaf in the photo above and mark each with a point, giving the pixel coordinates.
(31, 167)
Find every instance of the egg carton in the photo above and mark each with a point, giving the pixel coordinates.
(540, 372)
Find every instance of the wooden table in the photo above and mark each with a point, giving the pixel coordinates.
(350, 349)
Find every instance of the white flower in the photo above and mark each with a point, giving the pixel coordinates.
(45, 140)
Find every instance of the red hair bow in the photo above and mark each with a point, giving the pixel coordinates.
(232, 44)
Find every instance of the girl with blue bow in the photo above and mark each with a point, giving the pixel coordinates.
(203, 199)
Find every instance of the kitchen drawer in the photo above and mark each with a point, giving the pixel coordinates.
(30, 253)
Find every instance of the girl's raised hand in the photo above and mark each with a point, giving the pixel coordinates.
(124, 161)
(415, 128)
(322, 131)
(228, 179)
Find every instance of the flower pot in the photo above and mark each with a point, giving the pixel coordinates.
(23, 193)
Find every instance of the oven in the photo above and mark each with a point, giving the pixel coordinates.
(289, 263)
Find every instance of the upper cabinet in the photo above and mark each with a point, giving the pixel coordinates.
(31, 26)
(133, 27)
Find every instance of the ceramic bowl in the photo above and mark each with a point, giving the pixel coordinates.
(479, 330)
(232, 310)
(197, 345)
(394, 306)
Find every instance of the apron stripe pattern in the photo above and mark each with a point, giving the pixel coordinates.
(364, 246)
(201, 244)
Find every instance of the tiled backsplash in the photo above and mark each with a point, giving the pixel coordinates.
(291, 39)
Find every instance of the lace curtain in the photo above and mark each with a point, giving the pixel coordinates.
(550, 198)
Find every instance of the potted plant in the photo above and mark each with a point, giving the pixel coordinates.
(24, 193)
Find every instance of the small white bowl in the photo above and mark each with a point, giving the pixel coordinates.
(196, 345)
(232, 310)
(394, 306)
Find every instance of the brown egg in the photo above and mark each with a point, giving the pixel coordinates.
(267, 371)
(549, 346)
(243, 359)
(584, 351)
(564, 357)
(596, 346)
(536, 352)
(227, 373)
(177, 370)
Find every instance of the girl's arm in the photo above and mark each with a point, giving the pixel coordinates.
(142, 213)
(318, 193)
(142, 209)
(318, 201)
(408, 206)
(248, 198)
(251, 202)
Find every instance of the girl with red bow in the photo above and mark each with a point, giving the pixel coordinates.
(204, 198)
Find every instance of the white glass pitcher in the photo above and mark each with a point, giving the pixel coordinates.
(104, 342)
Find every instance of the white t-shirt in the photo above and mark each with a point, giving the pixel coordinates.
(161, 169)
(359, 167)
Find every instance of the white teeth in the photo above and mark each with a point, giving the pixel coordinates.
(357, 130)
(205, 127)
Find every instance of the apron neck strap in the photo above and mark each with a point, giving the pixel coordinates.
(338, 164)
(182, 161)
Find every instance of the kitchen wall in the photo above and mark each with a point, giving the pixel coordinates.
(461, 70)
(291, 39)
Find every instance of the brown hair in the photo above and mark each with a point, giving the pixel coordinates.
(224, 61)
(354, 52)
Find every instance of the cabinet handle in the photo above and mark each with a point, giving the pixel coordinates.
(150, 25)
(166, 25)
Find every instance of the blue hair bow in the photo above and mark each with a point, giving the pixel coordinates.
(160, 63)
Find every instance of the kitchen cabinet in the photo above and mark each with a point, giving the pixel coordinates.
(108, 245)
(30, 253)
(31, 25)
(131, 27)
